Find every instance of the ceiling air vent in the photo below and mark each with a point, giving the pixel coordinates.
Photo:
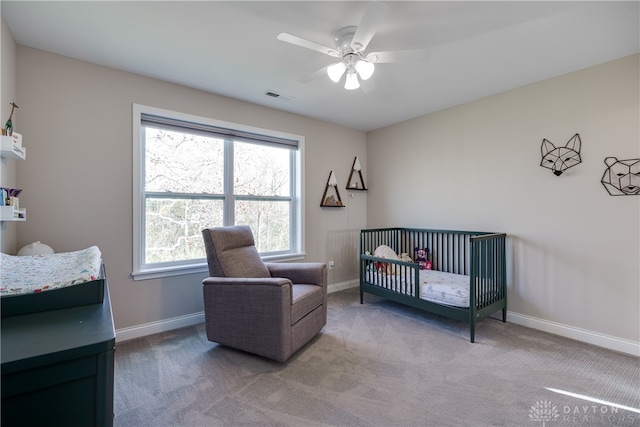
(275, 95)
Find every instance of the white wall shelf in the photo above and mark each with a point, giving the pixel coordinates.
(10, 148)
(10, 213)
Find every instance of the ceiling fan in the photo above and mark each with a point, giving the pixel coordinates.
(351, 45)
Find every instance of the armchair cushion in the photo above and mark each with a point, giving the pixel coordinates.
(304, 298)
(243, 262)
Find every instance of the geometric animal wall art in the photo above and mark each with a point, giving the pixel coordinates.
(559, 159)
(622, 177)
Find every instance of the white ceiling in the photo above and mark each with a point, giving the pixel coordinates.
(230, 48)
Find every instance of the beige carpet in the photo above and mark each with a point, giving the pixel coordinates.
(379, 364)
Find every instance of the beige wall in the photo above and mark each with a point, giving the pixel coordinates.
(573, 248)
(8, 230)
(77, 179)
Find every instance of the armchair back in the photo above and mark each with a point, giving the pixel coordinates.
(231, 252)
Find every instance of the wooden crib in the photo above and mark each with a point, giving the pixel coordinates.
(467, 280)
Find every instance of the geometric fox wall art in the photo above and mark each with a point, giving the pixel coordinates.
(559, 159)
(622, 177)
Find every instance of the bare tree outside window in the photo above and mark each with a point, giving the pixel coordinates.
(187, 187)
(262, 188)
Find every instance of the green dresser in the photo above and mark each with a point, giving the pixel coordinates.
(57, 367)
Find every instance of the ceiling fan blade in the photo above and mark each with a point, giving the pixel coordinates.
(373, 17)
(417, 55)
(290, 38)
(316, 74)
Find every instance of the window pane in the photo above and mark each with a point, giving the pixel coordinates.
(196, 173)
(174, 227)
(269, 221)
(261, 170)
(182, 162)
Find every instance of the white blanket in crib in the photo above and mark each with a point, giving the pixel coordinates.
(435, 286)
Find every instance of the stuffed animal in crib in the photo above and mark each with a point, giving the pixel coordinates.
(422, 258)
(384, 251)
(404, 257)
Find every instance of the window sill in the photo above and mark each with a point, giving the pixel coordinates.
(284, 257)
(157, 273)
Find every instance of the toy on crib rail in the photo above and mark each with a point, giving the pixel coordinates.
(422, 258)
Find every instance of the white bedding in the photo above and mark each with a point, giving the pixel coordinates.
(38, 273)
(435, 286)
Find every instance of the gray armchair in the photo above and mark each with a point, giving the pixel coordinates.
(269, 309)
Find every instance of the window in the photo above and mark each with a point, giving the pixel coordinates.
(191, 173)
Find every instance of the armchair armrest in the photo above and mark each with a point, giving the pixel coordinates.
(302, 272)
(250, 314)
(251, 296)
(248, 297)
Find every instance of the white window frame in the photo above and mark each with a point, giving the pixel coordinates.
(142, 271)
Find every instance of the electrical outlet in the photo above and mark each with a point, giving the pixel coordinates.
(332, 265)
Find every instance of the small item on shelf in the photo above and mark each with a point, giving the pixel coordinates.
(331, 200)
(8, 127)
(11, 192)
(15, 202)
(10, 196)
(17, 140)
(10, 205)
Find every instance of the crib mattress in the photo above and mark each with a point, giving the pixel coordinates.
(435, 286)
(31, 284)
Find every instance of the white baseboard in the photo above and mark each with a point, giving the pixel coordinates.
(335, 287)
(601, 340)
(143, 330)
(590, 337)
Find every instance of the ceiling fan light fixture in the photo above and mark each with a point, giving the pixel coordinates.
(335, 71)
(351, 82)
(365, 69)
